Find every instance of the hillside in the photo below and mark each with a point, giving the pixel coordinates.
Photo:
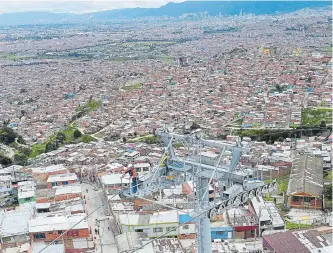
(211, 8)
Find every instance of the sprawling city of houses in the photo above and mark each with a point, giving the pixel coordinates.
(255, 78)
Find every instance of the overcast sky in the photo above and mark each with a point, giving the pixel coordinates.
(76, 6)
(83, 6)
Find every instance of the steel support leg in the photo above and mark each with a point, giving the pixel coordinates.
(204, 243)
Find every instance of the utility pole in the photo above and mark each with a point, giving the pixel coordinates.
(233, 227)
(259, 221)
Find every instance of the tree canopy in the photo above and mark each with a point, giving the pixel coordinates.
(77, 134)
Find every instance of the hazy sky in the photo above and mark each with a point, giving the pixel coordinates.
(76, 6)
(82, 6)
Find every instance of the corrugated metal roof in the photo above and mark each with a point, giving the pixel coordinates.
(130, 240)
(285, 242)
(167, 246)
(306, 175)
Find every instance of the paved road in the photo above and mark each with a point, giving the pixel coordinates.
(105, 242)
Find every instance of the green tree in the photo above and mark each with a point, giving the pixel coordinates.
(20, 159)
(4, 160)
(20, 140)
(328, 191)
(323, 124)
(278, 88)
(50, 147)
(7, 135)
(24, 150)
(328, 196)
(61, 137)
(195, 126)
(77, 134)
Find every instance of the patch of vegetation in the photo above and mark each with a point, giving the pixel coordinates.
(13, 57)
(283, 208)
(268, 197)
(294, 225)
(20, 159)
(37, 149)
(167, 60)
(132, 87)
(328, 197)
(7, 135)
(222, 30)
(57, 140)
(329, 175)
(178, 145)
(77, 134)
(90, 106)
(5, 161)
(315, 117)
(87, 138)
(272, 135)
(93, 105)
(282, 184)
(149, 139)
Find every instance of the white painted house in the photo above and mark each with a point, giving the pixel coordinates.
(153, 225)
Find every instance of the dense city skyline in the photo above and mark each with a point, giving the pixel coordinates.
(159, 130)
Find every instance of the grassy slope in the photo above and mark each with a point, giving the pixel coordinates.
(282, 184)
(329, 175)
(294, 225)
(311, 117)
(38, 149)
(132, 87)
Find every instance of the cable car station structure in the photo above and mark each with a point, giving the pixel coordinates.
(234, 185)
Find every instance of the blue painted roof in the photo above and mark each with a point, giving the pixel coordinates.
(185, 218)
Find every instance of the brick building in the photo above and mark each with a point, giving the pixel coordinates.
(49, 228)
(68, 192)
(45, 195)
(43, 173)
(62, 179)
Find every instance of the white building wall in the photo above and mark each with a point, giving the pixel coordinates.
(149, 229)
(190, 230)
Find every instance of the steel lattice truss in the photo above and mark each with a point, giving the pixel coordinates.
(234, 185)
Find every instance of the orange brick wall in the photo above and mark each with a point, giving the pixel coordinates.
(44, 176)
(43, 200)
(140, 202)
(67, 196)
(190, 236)
(49, 236)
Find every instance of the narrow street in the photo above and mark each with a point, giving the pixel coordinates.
(104, 240)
